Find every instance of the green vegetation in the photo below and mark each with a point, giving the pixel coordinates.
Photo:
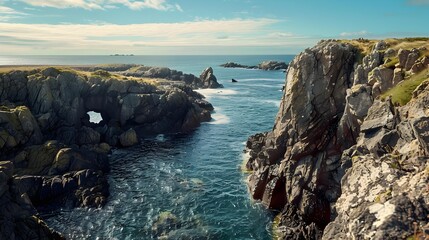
(402, 93)
(102, 73)
(391, 64)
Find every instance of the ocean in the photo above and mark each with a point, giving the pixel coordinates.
(192, 181)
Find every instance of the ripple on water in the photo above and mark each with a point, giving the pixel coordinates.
(195, 177)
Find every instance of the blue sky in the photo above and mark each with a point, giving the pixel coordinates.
(199, 26)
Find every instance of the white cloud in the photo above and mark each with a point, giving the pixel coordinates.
(354, 34)
(161, 5)
(135, 38)
(7, 14)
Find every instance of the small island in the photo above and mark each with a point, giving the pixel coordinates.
(265, 65)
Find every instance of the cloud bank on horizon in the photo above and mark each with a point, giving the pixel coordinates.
(197, 27)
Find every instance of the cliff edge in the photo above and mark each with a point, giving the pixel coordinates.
(347, 156)
(52, 156)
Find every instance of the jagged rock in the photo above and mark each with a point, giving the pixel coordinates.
(88, 135)
(85, 188)
(372, 60)
(353, 161)
(303, 141)
(272, 65)
(384, 192)
(128, 138)
(208, 79)
(383, 78)
(18, 218)
(403, 57)
(381, 45)
(398, 76)
(18, 127)
(358, 102)
(420, 65)
(389, 53)
(411, 59)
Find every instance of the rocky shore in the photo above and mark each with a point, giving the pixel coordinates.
(347, 156)
(51, 154)
(266, 65)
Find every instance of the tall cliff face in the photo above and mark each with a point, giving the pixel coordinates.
(328, 119)
(293, 166)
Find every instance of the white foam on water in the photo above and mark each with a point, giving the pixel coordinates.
(208, 93)
(274, 102)
(259, 79)
(219, 118)
(160, 138)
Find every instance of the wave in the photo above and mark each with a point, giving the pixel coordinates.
(259, 79)
(275, 102)
(279, 86)
(219, 118)
(208, 93)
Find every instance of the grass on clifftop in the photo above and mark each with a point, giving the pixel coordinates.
(403, 92)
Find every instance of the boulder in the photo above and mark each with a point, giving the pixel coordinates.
(128, 138)
(390, 53)
(398, 76)
(403, 57)
(411, 59)
(18, 127)
(384, 77)
(420, 65)
(88, 135)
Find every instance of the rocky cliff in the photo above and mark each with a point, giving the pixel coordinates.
(342, 160)
(206, 79)
(53, 156)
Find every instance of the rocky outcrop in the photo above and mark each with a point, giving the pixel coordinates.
(208, 80)
(340, 163)
(266, 65)
(128, 138)
(18, 218)
(272, 65)
(161, 73)
(237, 65)
(56, 157)
(294, 165)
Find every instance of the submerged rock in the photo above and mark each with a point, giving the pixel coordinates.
(128, 138)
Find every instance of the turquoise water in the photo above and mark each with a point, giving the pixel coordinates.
(194, 178)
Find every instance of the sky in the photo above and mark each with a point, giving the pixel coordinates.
(199, 27)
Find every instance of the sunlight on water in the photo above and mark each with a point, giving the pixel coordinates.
(188, 186)
(219, 118)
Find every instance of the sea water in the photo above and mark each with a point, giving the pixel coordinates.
(194, 179)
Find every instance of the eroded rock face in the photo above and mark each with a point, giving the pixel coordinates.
(340, 157)
(385, 191)
(208, 79)
(70, 171)
(290, 162)
(18, 218)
